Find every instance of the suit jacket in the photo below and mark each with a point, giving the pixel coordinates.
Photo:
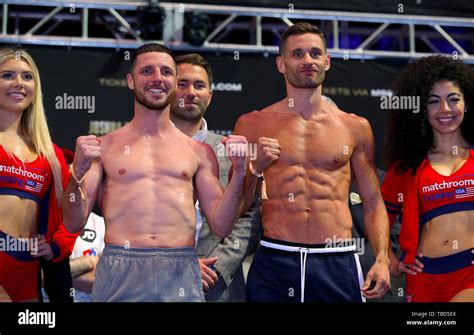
(232, 250)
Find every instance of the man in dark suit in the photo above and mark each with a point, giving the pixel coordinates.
(220, 259)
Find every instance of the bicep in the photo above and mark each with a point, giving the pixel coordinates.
(239, 127)
(208, 187)
(246, 127)
(92, 183)
(363, 165)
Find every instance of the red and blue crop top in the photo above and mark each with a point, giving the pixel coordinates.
(26, 180)
(14, 177)
(425, 196)
(438, 194)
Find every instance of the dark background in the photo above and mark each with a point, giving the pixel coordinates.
(82, 72)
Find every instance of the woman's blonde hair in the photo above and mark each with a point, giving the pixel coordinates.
(33, 125)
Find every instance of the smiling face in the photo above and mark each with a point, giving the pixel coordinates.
(193, 93)
(304, 61)
(17, 85)
(153, 80)
(445, 107)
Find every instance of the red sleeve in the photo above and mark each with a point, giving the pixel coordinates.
(62, 242)
(394, 192)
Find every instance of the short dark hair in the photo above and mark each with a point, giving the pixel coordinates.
(300, 28)
(196, 59)
(151, 47)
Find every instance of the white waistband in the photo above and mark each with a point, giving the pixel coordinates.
(303, 253)
(308, 250)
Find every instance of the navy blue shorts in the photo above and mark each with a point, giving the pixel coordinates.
(309, 273)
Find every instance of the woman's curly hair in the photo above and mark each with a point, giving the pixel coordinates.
(409, 135)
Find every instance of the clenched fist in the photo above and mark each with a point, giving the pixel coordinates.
(87, 150)
(236, 148)
(268, 152)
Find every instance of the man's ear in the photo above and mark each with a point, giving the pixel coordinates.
(130, 83)
(280, 64)
(328, 62)
(210, 98)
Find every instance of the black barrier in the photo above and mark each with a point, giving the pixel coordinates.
(150, 318)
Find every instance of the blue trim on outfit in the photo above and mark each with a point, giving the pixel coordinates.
(446, 264)
(392, 205)
(55, 249)
(19, 193)
(445, 209)
(43, 214)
